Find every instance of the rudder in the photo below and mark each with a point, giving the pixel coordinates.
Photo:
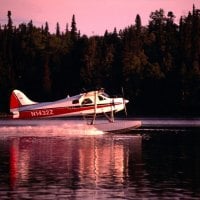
(19, 99)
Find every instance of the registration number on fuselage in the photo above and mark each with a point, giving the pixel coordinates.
(46, 112)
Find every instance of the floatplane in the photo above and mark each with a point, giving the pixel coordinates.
(92, 103)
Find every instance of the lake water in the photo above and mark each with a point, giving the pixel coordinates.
(156, 163)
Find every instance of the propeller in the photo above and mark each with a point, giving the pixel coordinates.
(124, 102)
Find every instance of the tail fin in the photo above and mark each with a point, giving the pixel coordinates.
(19, 99)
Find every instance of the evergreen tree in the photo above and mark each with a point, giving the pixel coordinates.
(10, 23)
(46, 28)
(90, 69)
(57, 29)
(74, 35)
(138, 24)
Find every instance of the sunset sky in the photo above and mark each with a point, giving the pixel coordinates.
(92, 16)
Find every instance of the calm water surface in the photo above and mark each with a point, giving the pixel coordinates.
(142, 164)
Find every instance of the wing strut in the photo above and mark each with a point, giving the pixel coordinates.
(95, 108)
(109, 118)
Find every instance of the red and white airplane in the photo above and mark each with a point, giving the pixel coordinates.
(88, 103)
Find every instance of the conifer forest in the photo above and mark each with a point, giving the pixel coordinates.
(158, 65)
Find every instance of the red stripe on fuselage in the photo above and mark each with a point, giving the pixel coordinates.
(53, 112)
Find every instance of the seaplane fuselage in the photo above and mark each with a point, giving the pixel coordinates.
(88, 103)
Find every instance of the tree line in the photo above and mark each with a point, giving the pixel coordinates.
(158, 65)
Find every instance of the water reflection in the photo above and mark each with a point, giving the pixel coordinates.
(58, 166)
(129, 166)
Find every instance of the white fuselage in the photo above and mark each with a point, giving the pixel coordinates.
(82, 104)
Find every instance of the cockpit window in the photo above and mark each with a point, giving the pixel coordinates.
(87, 101)
(101, 98)
(75, 101)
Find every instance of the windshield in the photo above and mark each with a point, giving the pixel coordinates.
(105, 95)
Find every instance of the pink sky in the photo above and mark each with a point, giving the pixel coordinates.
(92, 16)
